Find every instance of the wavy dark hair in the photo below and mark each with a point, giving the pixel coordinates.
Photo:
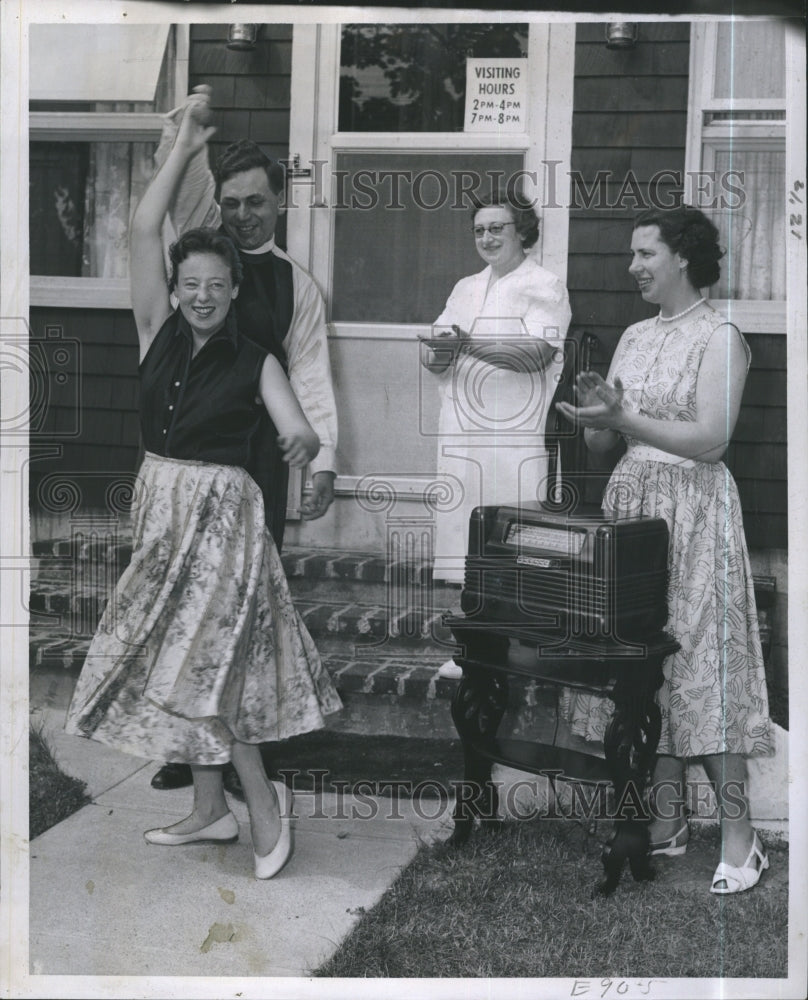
(204, 241)
(688, 232)
(246, 155)
(520, 209)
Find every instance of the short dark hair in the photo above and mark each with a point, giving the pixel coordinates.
(246, 155)
(520, 208)
(688, 232)
(204, 241)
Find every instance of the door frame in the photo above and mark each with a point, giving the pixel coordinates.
(314, 142)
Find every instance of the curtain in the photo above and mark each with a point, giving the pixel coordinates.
(117, 176)
(754, 235)
(749, 67)
(83, 194)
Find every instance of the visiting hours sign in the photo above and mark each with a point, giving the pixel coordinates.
(496, 95)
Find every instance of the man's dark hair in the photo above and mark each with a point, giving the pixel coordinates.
(246, 155)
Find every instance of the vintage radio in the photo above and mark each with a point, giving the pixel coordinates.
(576, 574)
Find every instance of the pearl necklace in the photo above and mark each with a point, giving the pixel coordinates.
(669, 319)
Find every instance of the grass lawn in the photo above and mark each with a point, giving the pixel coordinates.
(52, 794)
(518, 903)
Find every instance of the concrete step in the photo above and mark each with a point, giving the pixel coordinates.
(384, 688)
(350, 594)
(375, 621)
(378, 669)
(70, 555)
(359, 594)
(77, 614)
(366, 598)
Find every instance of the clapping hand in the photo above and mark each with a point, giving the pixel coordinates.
(600, 404)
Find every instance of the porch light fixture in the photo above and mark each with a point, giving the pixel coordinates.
(242, 37)
(621, 34)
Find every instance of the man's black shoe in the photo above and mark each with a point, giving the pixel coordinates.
(232, 783)
(172, 776)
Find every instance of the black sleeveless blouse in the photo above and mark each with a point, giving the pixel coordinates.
(204, 407)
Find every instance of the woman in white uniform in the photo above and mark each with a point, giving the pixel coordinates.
(497, 350)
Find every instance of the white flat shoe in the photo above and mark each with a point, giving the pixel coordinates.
(270, 864)
(450, 670)
(223, 831)
(675, 847)
(745, 877)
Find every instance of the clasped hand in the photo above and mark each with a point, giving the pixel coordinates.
(194, 130)
(299, 447)
(453, 333)
(600, 405)
(438, 359)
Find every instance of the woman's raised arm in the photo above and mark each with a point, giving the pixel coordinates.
(147, 276)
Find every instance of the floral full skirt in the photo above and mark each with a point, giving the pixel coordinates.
(200, 644)
(713, 698)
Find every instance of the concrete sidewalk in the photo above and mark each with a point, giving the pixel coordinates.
(104, 902)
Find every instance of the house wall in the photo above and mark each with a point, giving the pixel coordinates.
(629, 120)
(84, 426)
(87, 439)
(628, 136)
(251, 90)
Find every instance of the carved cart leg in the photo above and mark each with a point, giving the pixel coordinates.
(477, 709)
(630, 746)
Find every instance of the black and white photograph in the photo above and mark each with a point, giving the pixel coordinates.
(403, 424)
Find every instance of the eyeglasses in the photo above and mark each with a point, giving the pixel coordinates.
(495, 229)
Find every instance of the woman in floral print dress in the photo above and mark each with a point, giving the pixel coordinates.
(673, 393)
(200, 655)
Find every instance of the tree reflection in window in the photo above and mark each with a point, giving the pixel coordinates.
(412, 77)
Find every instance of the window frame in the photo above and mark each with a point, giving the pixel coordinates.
(705, 138)
(314, 126)
(100, 126)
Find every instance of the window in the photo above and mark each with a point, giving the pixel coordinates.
(397, 79)
(412, 120)
(94, 127)
(409, 202)
(412, 77)
(737, 161)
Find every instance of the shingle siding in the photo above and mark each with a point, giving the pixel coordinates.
(628, 146)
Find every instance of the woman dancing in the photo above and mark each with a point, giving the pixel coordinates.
(200, 655)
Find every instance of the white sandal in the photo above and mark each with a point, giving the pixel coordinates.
(745, 877)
